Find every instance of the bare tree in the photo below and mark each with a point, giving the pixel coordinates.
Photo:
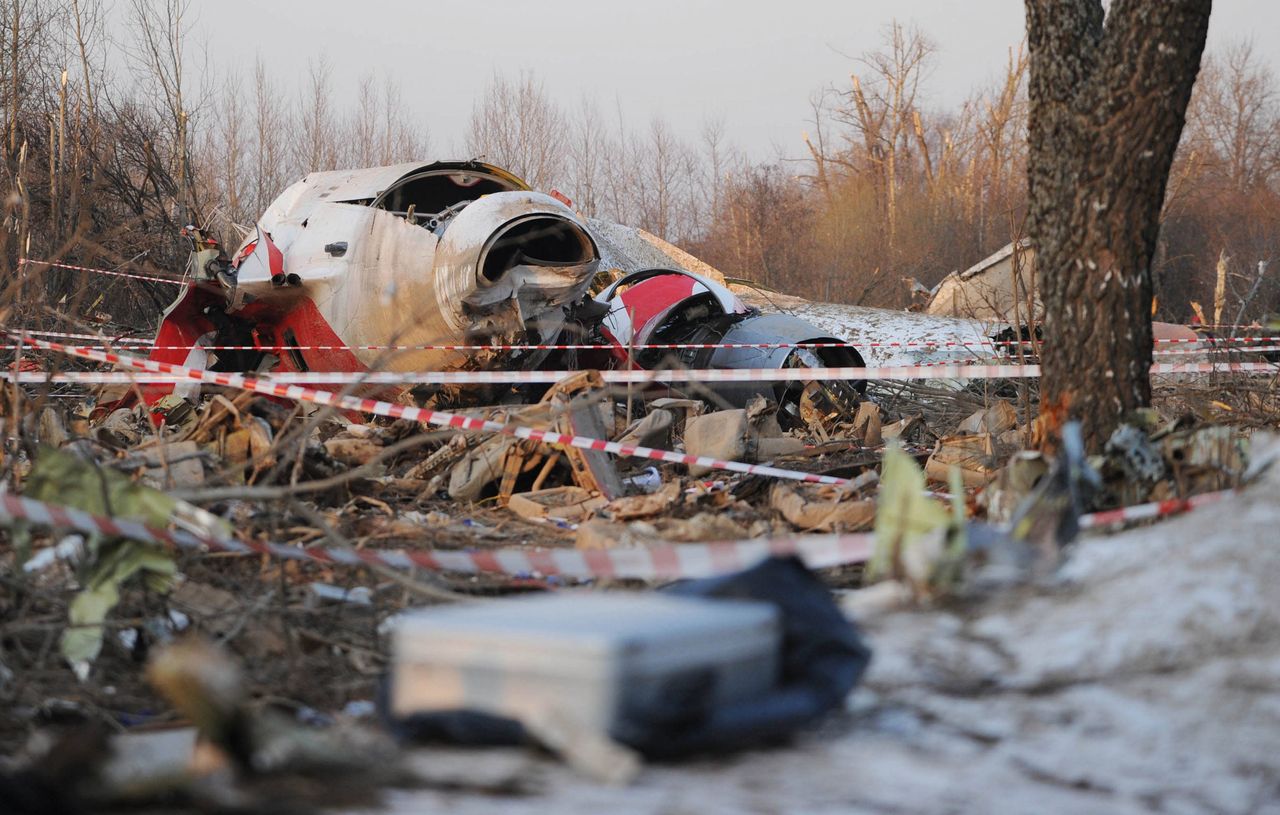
(269, 148)
(1001, 127)
(1108, 102)
(1234, 118)
(87, 16)
(160, 30)
(15, 19)
(1223, 196)
(30, 36)
(230, 165)
(516, 125)
(316, 145)
(718, 163)
(817, 145)
(377, 131)
(589, 150)
(664, 182)
(620, 176)
(363, 145)
(401, 139)
(883, 112)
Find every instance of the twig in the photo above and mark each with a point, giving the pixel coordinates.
(418, 586)
(268, 493)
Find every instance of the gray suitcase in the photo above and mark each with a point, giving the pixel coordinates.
(579, 657)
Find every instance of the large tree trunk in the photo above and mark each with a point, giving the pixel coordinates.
(1108, 102)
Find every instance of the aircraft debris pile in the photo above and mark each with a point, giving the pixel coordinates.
(250, 653)
(235, 465)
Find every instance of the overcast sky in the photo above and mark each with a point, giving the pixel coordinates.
(752, 63)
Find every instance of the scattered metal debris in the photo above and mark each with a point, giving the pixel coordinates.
(516, 281)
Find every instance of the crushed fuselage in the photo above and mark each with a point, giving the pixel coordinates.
(459, 265)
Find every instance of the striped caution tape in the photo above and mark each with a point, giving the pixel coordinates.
(634, 377)
(675, 346)
(1155, 509)
(1210, 342)
(490, 347)
(95, 337)
(1215, 368)
(662, 562)
(434, 417)
(948, 370)
(1214, 352)
(1205, 348)
(174, 281)
(1204, 345)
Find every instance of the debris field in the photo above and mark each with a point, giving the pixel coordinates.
(218, 543)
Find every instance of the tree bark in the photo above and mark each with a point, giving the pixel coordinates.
(1108, 102)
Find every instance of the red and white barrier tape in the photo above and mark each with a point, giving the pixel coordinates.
(1206, 347)
(175, 281)
(1215, 368)
(728, 346)
(96, 337)
(663, 562)
(636, 377)
(1210, 342)
(397, 411)
(132, 344)
(1216, 352)
(499, 347)
(1155, 509)
(494, 347)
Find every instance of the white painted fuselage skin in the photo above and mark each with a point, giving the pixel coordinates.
(380, 278)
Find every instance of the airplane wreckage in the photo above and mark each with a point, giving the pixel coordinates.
(461, 266)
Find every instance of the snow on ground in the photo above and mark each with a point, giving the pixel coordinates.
(1147, 679)
(875, 330)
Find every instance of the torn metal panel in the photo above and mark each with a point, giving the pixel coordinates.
(999, 288)
(573, 406)
(671, 307)
(509, 265)
(647, 305)
(579, 415)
